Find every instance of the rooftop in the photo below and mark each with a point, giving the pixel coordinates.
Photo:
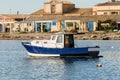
(13, 16)
(69, 17)
(39, 12)
(76, 11)
(64, 2)
(108, 4)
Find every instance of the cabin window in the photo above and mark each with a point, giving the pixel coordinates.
(53, 38)
(59, 39)
(37, 42)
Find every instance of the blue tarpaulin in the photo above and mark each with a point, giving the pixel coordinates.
(63, 26)
(90, 26)
(37, 27)
(48, 25)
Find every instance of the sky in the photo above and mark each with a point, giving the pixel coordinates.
(30, 6)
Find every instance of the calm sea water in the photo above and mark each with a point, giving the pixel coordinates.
(16, 65)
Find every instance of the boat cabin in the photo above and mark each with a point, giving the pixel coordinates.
(63, 40)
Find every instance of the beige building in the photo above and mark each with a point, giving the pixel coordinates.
(59, 15)
(13, 23)
(108, 8)
(6, 23)
(58, 7)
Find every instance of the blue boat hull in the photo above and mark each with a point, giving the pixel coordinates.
(83, 51)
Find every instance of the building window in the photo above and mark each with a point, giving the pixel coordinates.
(54, 23)
(114, 12)
(28, 24)
(105, 13)
(53, 9)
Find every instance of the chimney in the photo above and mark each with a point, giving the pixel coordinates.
(17, 12)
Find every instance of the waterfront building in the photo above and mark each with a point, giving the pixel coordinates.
(11, 22)
(107, 8)
(6, 24)
(110, 10)
(58, 15)
(62, 15)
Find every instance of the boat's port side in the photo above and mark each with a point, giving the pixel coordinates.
(92, 52)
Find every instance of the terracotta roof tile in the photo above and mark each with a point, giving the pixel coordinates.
(68, 17)
(82, 11)
(13, 16)
(76, 11)
(39, 12)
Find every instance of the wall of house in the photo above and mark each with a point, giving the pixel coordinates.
(30, 28)
(23, 27)
(55, 26)
(59, 8)
(95, 25)
(47, 8)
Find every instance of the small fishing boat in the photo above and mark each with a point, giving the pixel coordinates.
(60, 44)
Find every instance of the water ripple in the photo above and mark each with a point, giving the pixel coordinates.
(16, 65)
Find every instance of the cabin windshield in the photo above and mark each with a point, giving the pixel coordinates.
(59, 39)
(53, 37)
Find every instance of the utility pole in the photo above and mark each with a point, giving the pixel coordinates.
(10, 11)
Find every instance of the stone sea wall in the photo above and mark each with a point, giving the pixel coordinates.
(41, 36)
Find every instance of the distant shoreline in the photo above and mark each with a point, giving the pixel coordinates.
(41, 36)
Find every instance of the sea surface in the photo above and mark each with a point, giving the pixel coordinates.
(15, 64)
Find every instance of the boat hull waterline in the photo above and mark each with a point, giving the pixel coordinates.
(43, 51)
